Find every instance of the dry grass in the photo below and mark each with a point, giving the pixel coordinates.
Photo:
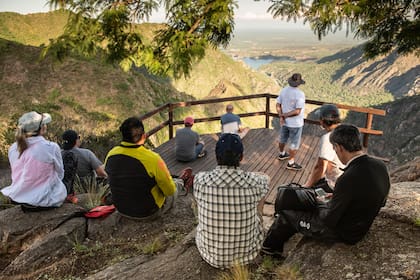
(286, 272)
(237, 272)
(95, 190)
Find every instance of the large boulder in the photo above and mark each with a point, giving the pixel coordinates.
(182, 261)
(41, 243)
(391, 249)
(33, 240)
(49, 249)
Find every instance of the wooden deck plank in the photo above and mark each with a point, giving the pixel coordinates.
(260, 155)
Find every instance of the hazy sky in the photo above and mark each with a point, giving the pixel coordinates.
(250, 14)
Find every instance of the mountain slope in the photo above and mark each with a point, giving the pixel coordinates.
(32, 29)
(397, 74)
(94, 97)
(85, 95)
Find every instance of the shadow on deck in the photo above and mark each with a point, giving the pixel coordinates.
(260, 155)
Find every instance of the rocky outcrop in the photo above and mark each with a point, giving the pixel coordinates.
(33, 240)
(409, 171)
(39, 243)
(391, 250)
(400, 142)
(180, 262)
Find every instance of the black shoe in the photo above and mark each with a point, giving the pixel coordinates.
(294, 166)
(271, 252)
(283, 157)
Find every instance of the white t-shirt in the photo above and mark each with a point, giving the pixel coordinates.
(326, 151)
(292, 98)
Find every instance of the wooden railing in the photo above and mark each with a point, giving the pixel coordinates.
(171, 107)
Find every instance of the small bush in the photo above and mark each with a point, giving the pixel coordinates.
(123, 87)
(54, 94)
(285, 272)
(152, 248)
(95, 190)
(98, 116)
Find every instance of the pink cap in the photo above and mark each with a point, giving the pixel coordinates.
(189, 120)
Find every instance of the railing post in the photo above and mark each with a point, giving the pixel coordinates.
(267, 111)
(171, 121)
(369, 119)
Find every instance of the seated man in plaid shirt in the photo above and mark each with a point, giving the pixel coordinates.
(229, 227)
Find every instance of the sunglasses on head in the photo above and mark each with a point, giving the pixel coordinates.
(40, 123)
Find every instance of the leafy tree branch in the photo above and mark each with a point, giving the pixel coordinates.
(386, 24)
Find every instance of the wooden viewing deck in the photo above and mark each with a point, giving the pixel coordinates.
(260, 144)
(260, 155)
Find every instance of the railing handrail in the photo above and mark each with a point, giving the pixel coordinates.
(367, 130)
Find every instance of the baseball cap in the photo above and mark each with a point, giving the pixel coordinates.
(329, 112)
(229, 145)
(69, 139)
(189, 120)
(33, 121)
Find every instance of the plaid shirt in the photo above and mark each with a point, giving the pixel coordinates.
(229, 229)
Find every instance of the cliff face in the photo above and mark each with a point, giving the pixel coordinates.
(401, 126)
(397, 74)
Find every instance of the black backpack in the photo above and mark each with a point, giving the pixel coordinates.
(70, 169)
(294, 197)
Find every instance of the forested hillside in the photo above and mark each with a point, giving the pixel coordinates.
(93, 96)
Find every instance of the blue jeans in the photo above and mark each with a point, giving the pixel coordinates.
(292, 135)
(198, 149)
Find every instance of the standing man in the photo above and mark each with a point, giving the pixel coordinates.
(328, 167)
(188, 144)
(291, 107)
(231, 123)
(359, 194)
(141, 185)
(229, 202)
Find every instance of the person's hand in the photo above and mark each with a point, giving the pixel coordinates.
(324, 198)
(282, 121)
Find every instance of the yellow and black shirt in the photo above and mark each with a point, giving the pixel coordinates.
(139, 179)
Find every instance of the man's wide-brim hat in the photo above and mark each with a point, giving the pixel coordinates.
(296, 80)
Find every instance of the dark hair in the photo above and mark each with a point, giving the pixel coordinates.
(330, 122)
(329, 114)
(69, 139)
(229, 158)
(348, 136)
(132, 130)
(229, 150)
